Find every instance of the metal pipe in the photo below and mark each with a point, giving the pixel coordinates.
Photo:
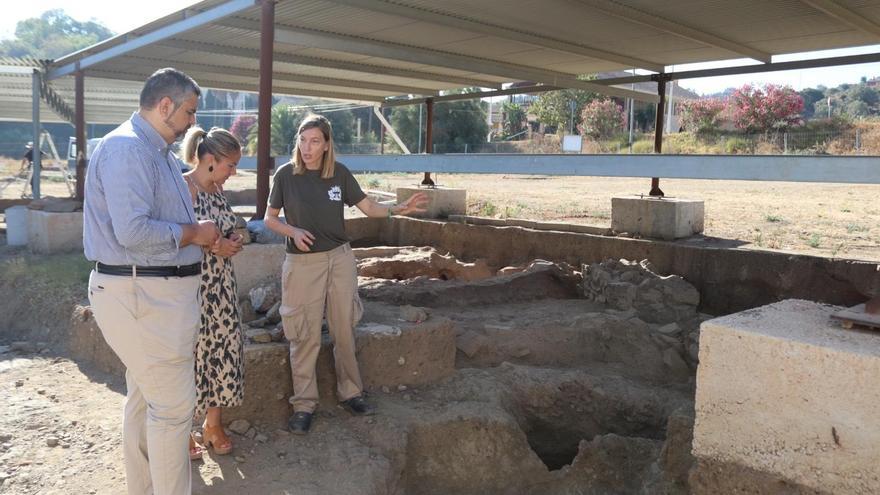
(658, 133)
(264, 116)
(37, 82)
(82, 144)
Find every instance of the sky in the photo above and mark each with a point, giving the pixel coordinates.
(122, 16)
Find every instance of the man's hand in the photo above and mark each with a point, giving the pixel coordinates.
(206, 233)
(302, 239)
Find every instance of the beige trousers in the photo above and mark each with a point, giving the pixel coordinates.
(151, 323)
(308, 282)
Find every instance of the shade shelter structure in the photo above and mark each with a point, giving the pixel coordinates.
(387, 52)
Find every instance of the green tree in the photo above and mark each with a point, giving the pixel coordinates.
(286, 119)
(52, 35)
(811, 96)
(514, 119)
(457, 124)
(557, 109)
(602, 119)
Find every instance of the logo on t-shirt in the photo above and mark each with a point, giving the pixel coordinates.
(335, 193)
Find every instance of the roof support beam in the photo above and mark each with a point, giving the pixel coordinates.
(294, 78)
(747, 69)
(289, 58)
(252, 88)
(383, 49)
(845, 15)
(121, 44)
(482, 27)
(654, 21)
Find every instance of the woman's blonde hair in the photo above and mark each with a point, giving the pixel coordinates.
(198, 142)
(328, 164)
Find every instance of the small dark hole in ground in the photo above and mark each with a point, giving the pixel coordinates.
(555, 448)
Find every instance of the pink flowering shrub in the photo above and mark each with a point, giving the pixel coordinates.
(771, 108)
(602, 119)
(701, 116)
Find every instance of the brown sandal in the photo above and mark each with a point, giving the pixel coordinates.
(215, 438)
(196, 451)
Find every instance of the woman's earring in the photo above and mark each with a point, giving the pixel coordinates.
(211, 168)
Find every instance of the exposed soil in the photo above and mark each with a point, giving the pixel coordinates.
(551, 394)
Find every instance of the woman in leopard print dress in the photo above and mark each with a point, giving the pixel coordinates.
(218, 369)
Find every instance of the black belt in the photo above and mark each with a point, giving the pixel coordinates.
(149, 271)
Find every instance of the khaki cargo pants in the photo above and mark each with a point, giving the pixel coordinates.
(308, 282)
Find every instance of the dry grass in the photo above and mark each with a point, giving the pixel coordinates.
(835, 220)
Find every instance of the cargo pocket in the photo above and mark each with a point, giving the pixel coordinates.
(294, 321)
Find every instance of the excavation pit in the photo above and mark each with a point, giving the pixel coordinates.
(502, 360)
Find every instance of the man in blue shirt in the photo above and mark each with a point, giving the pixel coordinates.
(140, 230)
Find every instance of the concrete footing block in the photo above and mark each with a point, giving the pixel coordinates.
(55, 232)
(442, 201)
(783, 390)
(659, 218)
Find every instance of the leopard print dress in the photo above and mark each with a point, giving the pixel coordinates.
(219, 349)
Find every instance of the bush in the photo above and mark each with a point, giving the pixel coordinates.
(771, 108)
(701, 116)
(602, 119)
(643, 147)
(737, 146)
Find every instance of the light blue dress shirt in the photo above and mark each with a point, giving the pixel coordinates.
(135, 200)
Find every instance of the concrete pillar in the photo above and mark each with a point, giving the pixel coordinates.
(657, 217)
(785, 391)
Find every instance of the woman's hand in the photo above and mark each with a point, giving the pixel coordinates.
(414, 204)
(302, 239)
(227, 247)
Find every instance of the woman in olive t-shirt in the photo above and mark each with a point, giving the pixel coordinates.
(319, 267)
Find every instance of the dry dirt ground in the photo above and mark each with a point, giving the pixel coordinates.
(833, 220)
(552, 393)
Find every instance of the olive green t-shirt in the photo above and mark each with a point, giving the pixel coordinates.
(315, 204)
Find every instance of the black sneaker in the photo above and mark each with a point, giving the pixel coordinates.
(300, 423)
(358, 406)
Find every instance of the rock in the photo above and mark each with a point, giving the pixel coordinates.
(261, 438)
(240, 458)
(246, 309)
(258, 323)
(263, 298)
(471, 343)
(401, 388)
(52, 441)
(673, 360)
(273, 316)
(521, 352)
(413, 314)
(22, 346)
(379, 329)
(401, 361)
(386, 389)
(507, 270)
(41, 391)
(251, 433)
(259, 335)
(240, 426)
(277, 333)
(5, 437)
(670, 329)
(19, 383)
(407, 397)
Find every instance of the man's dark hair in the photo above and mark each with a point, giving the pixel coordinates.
(168, 82)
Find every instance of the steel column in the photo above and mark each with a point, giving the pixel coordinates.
(658, 133)
(82, 143)
(429, 137)
(264, 116)
(37, 82)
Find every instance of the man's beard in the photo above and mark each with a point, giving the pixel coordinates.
(178, 133)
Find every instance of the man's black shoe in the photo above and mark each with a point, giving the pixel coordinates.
(300, 423)
(358, 406)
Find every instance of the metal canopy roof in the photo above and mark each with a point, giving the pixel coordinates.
(107, 101)
(369, 50)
